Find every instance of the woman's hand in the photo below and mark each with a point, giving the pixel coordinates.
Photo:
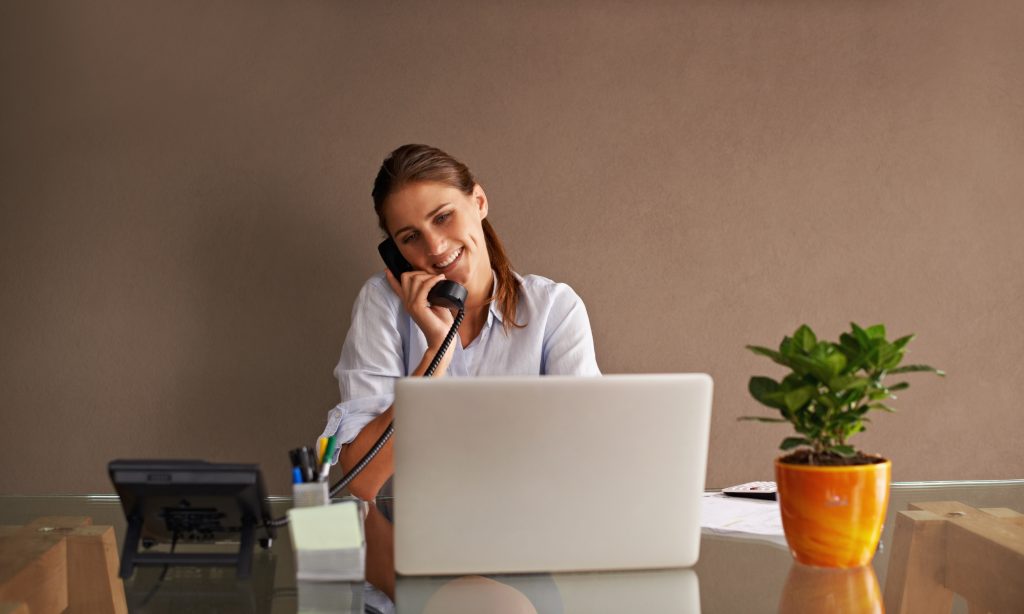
(435, 322)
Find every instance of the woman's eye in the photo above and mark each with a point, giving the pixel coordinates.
(409, 238)
(441, 219)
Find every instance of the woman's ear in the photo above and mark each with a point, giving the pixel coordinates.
(480, 198)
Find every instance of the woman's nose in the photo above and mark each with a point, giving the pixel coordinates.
(436, 244)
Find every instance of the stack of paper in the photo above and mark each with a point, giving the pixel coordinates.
(741, 517)
(328, 542)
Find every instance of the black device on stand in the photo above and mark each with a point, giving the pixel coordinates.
(191, 501)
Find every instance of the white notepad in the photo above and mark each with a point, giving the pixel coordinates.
(743, 518)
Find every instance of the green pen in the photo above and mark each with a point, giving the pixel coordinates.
(325, 462)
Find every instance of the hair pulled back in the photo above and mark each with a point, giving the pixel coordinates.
(416, 163)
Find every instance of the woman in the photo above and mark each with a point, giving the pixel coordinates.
(433, 208)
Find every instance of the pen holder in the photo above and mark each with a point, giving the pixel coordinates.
(310, 494)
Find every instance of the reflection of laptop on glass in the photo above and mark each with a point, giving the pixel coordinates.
(665, 591)
(530, 474)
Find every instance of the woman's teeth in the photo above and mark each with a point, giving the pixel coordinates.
(451, 259)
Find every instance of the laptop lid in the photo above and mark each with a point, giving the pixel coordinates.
(531, 474)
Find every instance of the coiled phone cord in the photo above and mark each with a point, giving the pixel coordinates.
(388, 432)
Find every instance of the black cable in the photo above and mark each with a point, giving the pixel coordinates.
(163, 574)
(388, 432)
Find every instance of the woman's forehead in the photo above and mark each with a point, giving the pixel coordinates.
(414, 202)
(420, 198)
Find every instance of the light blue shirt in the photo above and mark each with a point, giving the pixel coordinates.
(384, 344)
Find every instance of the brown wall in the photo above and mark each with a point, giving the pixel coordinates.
(186, 218)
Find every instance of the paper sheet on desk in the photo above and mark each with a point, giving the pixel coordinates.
(742, 517)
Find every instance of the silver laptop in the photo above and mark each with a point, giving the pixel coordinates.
(532, 474)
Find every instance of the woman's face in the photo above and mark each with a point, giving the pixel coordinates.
(439, 230)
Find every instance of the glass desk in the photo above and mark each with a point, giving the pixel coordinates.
(733, 574)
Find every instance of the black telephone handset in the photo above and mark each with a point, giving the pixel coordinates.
(445, 293)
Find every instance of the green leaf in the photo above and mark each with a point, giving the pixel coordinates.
(761, 387)
(888, 356)
(882, 406)
(799, 397)
(819, 370)
(876, 332)
(762, 419)
(899, 386)
(805, 338)
(848, 382)
(847, 416)
(902, 342)
(791, 442)
(826, 401)
(918, 368)
(849, 341)
(863, 340)
(836, 363)
(844, 451)
(775, 356)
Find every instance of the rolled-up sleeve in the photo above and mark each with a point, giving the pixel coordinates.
(371, 361)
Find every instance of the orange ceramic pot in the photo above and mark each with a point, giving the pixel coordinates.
(833, 516)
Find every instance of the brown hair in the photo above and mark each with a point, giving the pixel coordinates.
(414, 163)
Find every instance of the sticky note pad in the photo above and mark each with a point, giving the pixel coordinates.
(326, 527)
(328, 542)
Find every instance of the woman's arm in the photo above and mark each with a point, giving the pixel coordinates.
(368, 483)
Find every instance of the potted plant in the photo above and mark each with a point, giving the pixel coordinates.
(832, 496)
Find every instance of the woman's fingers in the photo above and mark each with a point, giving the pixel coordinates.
(410, 286)
(423, 286)
(414, 288)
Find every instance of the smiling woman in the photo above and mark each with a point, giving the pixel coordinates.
(433, 208)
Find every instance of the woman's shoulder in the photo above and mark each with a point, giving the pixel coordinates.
(540, 287)
(377, 291)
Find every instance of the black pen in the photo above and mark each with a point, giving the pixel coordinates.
(307, 470)
(296, 463)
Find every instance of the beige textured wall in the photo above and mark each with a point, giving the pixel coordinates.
(185, 215)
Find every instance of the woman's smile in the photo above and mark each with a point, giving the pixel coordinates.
(450, 261)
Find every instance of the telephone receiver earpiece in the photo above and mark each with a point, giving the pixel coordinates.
(445, 293)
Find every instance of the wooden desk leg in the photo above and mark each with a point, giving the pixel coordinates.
(93, 583)
(92, 563)
(33, 570)
(914, 583)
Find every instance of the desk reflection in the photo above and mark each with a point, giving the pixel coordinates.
(838, 591)
(177, 588)
(664, 590)
(668, 590)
